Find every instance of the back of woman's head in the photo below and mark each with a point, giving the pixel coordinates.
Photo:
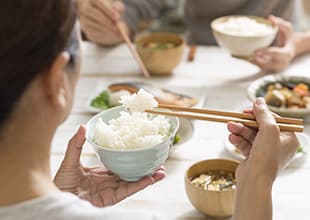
(32, 34)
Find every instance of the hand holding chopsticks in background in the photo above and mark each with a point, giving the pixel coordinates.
(102, 21)
(98, 19)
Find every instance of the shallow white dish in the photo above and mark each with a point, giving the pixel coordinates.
(185, 131)
(259, 85)
(197, 93)
(186, 127)
(303, 139)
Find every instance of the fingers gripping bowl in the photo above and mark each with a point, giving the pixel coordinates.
(131, 144)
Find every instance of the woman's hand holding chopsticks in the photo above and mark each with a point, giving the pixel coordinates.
(267, 151)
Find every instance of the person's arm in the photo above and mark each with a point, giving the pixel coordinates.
(302, 43)
(289, 45)
(98, 18)
(254, 199)
(137, 11)
(267, 152)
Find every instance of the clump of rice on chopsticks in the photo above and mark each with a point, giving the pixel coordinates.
(134, 128)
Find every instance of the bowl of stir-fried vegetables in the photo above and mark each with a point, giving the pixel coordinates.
(285, 95)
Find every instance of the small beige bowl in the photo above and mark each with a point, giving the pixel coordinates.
(243, 46)
(160, 62)
(216, 204)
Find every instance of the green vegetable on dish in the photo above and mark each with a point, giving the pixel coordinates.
(300, 150)
(177, 139)
(101, 101)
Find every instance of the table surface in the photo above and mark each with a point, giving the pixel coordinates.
(220, 82)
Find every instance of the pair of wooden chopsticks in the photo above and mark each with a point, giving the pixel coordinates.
(129, 45)
(132, 49)
(285, 124)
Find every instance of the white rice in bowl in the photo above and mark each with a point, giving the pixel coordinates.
(133, 129)
(139, 102)
(244, 26)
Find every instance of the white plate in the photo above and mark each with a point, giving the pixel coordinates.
(198, 93)
(258, 84)
(303, 139)
(186, 126)
(185, 131)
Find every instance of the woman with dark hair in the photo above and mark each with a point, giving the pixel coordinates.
(40, 62)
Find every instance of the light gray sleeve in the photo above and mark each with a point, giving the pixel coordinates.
(140, 10)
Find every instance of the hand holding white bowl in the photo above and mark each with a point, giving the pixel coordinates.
(97, 185)
(132, 144)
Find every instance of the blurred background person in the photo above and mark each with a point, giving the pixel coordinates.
(98, 19)
(98, 16)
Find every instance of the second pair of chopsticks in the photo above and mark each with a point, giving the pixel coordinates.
(285, 124)
(126, 38)
(132, 49)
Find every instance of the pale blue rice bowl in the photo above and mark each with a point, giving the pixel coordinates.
(132, 164)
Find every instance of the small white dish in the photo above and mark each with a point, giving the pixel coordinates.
(303, 139)
(186, 130)
(197, 93)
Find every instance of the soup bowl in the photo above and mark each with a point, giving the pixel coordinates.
(160, 60)
(216, 204)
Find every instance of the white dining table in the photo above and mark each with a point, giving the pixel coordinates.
(219, 81)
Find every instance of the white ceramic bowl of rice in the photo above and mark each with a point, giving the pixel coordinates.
(131, 143)
(243, 35)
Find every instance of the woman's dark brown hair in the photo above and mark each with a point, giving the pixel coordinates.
(32, 34)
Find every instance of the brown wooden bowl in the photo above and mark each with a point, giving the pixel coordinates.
(160, 62)
(216, 204)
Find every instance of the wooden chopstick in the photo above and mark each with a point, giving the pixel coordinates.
(128, 42)
(191, 53)
(225, 119)
(132, 49)
(283, 120)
